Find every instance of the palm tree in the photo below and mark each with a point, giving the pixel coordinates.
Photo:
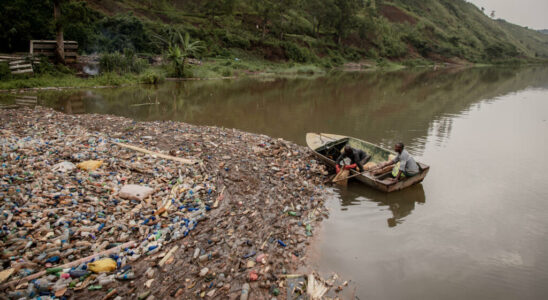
(189, 48)
(180, 48)
(175, 54)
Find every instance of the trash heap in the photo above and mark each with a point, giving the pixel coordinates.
(107, 208)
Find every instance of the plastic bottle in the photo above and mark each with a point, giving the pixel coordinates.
(43, 285)
(245, 292)
(107, 280)
(77, 273)
(126, 276)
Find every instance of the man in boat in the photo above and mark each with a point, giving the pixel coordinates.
(357, 157)
(408, 165)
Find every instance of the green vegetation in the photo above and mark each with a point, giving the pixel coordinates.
(67, 80)
(238, 38)
(122, 63)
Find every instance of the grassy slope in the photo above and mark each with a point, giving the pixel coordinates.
(438, 30)
(472, 29)
(450, 28)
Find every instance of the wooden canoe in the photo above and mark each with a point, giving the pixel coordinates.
(327, 147)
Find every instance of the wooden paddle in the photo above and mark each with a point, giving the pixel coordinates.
(342, 178)
(355, 175)
(346, 178)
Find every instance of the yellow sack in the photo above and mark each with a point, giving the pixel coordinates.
(103, 265)
(396, 170)
(90, 165)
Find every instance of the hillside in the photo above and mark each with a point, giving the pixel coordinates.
(326, 32)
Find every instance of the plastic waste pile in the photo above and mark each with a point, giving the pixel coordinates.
(82, 214)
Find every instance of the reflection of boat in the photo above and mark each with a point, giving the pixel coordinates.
(328, 146)
(401, 207)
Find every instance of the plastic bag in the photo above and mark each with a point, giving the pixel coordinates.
(63, 167)
(103, 265)
(135, 192)
(90, 165)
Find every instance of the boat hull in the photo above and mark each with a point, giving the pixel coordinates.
(318, 142)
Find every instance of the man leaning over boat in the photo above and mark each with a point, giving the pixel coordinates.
(408, 166)
(357, 158)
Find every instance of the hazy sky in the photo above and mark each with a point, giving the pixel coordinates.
(532, 13)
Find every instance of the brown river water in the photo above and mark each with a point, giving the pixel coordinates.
(476, 228)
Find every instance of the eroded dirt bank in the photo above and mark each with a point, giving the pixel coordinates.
(241, 211)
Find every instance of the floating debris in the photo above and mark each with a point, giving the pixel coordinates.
(202, 211)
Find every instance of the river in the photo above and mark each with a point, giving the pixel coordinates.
(476, 228)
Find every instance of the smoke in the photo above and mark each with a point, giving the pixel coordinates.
(91, 70)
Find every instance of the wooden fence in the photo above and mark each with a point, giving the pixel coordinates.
(47, 48)
(18, 64)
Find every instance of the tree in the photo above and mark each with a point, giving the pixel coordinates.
(24, 20)
(265, 9)
(214, 8)
(60, 49)
(319, 11)
(180, 48)
(345, 17)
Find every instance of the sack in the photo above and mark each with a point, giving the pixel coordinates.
(90, 165)
(102, 266)
(369, 166)
(135, 192)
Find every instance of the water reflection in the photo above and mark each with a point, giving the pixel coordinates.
(383, 108)
(401, 203)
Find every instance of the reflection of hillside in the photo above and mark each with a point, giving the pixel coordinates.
(381, 107)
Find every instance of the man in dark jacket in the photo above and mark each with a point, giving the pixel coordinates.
(358, 158)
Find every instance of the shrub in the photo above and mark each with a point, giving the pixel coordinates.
(326, 63)
(335, 57)
(227, 72)
(5, 72)
(152, 77)
(236, 41)
(501, 50)
(126, 63)
(296, 53)
(352, 54)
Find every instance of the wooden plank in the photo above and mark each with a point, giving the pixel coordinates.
(53, 46)
(22, 71)
(53, 41)
(10, 57)
(50, 53)
(28, 97)
(13, 62)
(182, 160)
(20, 66)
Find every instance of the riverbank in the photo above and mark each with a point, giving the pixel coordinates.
(240, 210)
(229, 68)
(207, 69)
